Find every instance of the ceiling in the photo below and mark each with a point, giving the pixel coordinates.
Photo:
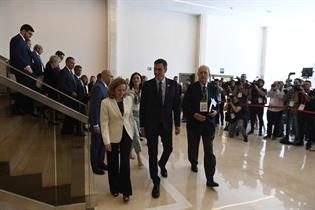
(260, 10)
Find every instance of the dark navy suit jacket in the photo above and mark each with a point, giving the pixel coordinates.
(20, 57)
(152, 113)
(37, 65)
(97, 94)
(191, 103)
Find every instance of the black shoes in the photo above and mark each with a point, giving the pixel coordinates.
(156, 191)
(212, 184)
(98, 171)
(267, 137)
(250, 132)
(285, 141)
(245, 139)
(194, 168)
(104, 167)
(298, 143)
(163, 171)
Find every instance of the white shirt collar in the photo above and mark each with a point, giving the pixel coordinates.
(163, 80)
(22, 37)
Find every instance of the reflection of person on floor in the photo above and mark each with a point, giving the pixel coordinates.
(97, 94)
(200, 108)
(117, 127)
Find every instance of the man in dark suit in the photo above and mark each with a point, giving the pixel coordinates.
(97, 94)
(160, 99)
(20, 58)
(37, 65)
(200, 108)
(68, 86)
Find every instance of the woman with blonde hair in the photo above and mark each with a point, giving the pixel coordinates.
(117, 128)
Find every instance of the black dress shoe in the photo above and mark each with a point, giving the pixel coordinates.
(245, 139)
(98, 171)
(285, 141)
(212, 184)
(104, 167)
(194, 168)
(163, 172)
(267, 137)
(156, 191)
(250, 132)
(298, 143)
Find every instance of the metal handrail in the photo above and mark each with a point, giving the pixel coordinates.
(43, 99)
(42, 83)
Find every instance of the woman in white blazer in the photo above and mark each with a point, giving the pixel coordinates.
(117, 128)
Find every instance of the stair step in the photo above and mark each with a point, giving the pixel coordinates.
(14, 146)
(21, 185)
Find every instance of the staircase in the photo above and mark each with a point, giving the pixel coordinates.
(38, 163)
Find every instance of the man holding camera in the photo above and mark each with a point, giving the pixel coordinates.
(275, 111)
(257, 97)
(293, 100)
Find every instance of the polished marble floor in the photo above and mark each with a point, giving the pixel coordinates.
(258, 175)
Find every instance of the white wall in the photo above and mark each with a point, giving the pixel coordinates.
(77, 27)
(235, 46)
(290, 47)
(145, 35)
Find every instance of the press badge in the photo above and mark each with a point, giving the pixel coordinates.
(291, 104)
(301, 107)
(239, 95)
(203, 106)
(260, 101)
(232, 115)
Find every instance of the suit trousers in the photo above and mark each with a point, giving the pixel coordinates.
(274, 119)
(207, 132)
(119, 166)
(97, 150)
(152, 138)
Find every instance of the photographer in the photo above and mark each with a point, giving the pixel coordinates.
(274, 112)
(306, 121)
(235, 115)
(242, 92)
(292, 100)
(257, 96)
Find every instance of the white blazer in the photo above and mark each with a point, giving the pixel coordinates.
(112, 121)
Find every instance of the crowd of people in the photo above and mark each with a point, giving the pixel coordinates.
(123, 111)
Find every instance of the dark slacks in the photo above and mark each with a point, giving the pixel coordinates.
(119, 166)
(274, 119)
(97, 150)
(207, 132)
(166, 138)
(256, 111)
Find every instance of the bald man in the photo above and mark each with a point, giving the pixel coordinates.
(200, 108)
(98, 93)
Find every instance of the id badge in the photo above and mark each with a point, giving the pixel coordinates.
(239, 95)
(301, 107)
(260, 101)
(291, 104)
(203, 106)
(232, 116)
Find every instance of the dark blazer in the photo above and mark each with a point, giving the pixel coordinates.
(51, 77)
(80, 88)
(37, 65)
(67, 82)
(152, 113)
(20, 57)
(97, 94)
(191, 103)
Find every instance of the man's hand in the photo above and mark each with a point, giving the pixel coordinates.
(97, 130)
(177, 130)
(213, 114)
(142, 132)
(74, 94)
(199, 117)
(29, 69)
(108, 147)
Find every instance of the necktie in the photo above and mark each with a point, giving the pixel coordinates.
(160, 93)
(204, 93)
